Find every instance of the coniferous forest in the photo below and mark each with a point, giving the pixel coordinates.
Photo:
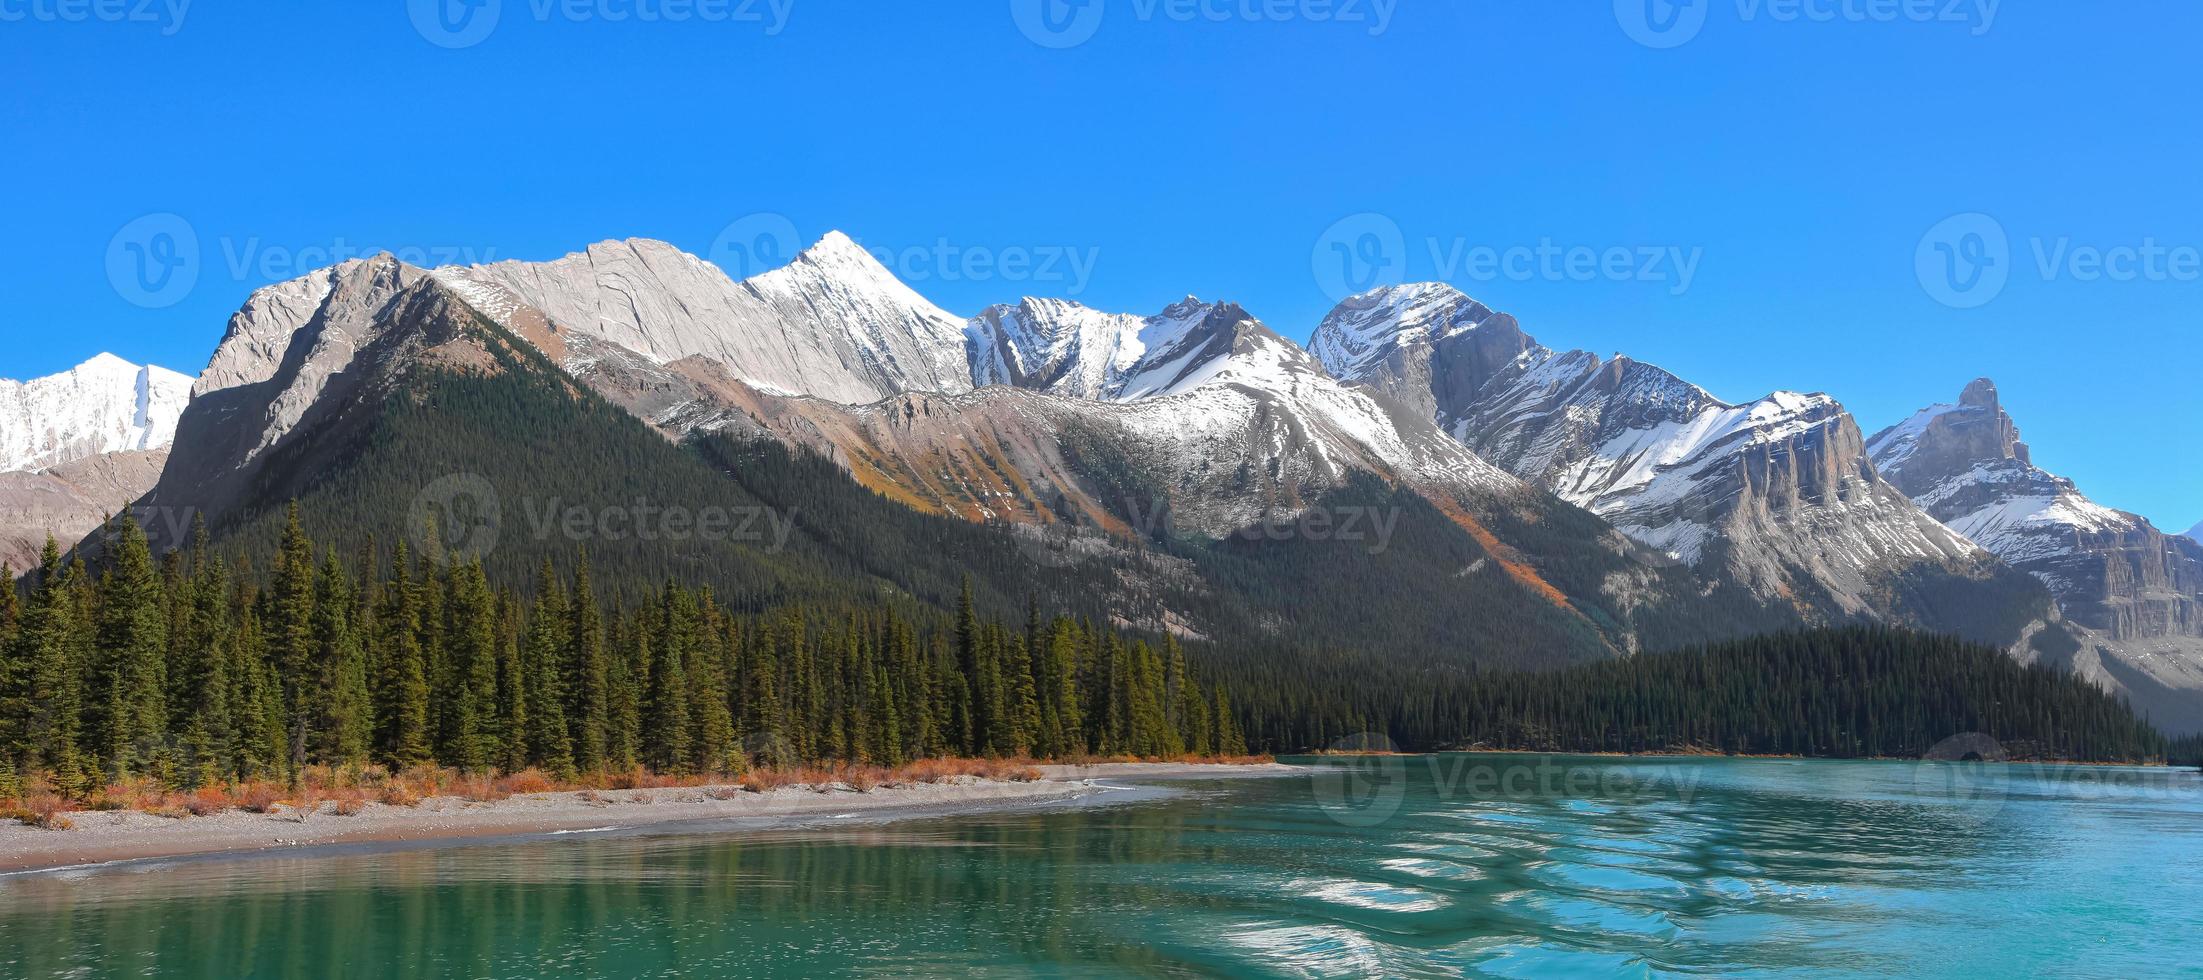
(190, 672)
(1850, 692)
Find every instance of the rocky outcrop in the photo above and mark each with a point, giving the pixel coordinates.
(2133, 594)
(833, 324)
(1775, 494)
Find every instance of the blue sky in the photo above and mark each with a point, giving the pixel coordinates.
(1797, 160)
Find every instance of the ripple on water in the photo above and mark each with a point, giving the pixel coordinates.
(1582, 878)
(1311, 950)
(1537, 959)
(1373, 895)
(1433, 868)
(1590, 915)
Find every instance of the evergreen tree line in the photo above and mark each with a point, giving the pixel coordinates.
(1846, 692)
(190, 671)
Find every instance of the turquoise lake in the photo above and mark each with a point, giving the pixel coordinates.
(1480, 865)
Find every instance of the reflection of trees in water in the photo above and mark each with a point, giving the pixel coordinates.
(1008, 890)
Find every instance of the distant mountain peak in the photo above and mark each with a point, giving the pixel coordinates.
(104, 405)
(1980, 393)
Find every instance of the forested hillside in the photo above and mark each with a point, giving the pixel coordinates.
(1846, 693)
(186, 672)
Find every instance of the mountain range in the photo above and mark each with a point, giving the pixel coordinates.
(1189, 470)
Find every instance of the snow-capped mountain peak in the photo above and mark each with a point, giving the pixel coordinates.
(1365, 330)
(103, 405)
(833, 323)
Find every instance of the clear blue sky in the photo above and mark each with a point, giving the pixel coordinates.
(1800, 161)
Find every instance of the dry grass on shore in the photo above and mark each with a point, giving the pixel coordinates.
(347, 792)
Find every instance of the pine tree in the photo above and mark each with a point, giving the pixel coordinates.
(550, 629)
(630, 672)
(715, 749)
(513, 709)
(342, 715)
(587, 684)
(133, 640)
(668, 723)
(469, 678)
(290, 633)
(13, 672)
(1229, 742)
(45, 706)
(404, 737)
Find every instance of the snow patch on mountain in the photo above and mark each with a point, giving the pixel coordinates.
(104, 405)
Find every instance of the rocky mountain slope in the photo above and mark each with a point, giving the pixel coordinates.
(832, 324)
(404, 380)
(1776, 495)
(2131, 595)
(1208, 424)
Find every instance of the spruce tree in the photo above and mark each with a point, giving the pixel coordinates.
(342, 714)
(289, 628)
(133, 644)
(549, 743)
(403, 735)
(587, 683)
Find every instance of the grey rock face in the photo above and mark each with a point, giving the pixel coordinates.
(2134, 593)
(1776, 493)
(833, 324)
(69, 501)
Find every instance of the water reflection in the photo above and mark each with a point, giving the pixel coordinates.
(1632, 867)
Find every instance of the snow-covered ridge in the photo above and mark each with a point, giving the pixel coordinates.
(1366, 329)
(832, 324)
(1069, 349)
(104, 405)
(1965, 464)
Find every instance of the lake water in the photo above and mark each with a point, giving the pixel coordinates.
(1442, 865)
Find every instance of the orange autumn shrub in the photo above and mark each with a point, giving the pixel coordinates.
(257, 797)
(527, 782)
